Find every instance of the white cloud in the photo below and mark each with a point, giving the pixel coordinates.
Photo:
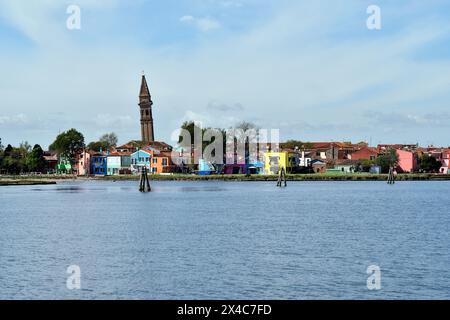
(292, 71)
(203, 24)
(13, 120)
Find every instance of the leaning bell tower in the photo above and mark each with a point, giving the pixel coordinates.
(145, 104)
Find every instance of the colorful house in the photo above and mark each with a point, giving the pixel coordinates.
(155, 161)
(407, 161)
(99, 164)
(346, 166)
(113, 164)
(205, 168)
(83, 163)
(274, 161)
(64, 166)
(364, 153)
(161, 163)
(125, 163)
(141, 159)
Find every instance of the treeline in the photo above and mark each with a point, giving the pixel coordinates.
(24, 158)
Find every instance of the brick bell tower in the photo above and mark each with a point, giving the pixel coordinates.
(145, 104)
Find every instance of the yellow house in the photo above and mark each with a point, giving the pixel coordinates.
(274, 161)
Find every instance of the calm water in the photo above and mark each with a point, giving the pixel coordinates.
(215, 240)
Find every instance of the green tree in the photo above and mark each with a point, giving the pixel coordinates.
(429, 164)
(366, 164)
(97, 146)
(387, 160)
(14, 161)
(35, 161)
(68, 143)
(110, 139)
(292, 144)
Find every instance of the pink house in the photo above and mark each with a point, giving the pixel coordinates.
(407, 161)
(82, 163)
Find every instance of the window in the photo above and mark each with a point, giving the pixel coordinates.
(146, 112)
(155, 160)
(154, 170)
(164, 162)
(147, 159)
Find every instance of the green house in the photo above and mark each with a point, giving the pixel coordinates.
(64, 166)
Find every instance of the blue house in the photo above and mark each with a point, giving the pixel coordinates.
(99, 164)
(141, 159)
(205, 168)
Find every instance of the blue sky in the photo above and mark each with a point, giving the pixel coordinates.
(309, 68)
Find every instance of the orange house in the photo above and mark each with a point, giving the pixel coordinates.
(157, 161)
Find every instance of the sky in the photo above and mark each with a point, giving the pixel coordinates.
(311, 69)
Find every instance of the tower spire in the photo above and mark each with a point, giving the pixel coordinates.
(145, 104)
(145, 92)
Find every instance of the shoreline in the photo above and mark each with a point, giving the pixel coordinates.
(25, 182)
(51, 179)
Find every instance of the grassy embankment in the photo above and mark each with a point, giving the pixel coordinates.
(51, 179)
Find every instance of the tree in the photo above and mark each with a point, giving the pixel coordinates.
(110, 139)
(429, 164)
(25, 147)
(366, 164)
(14, 161)
(68, 143)
(97, 146)
(387, 160)
(8, 150)
(292, 144)
(35, 161)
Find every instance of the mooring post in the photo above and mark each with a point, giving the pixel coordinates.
(141, 188)
(149, 189)
(282, 178)
(391, 176)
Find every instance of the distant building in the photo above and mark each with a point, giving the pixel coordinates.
(275, 161)
(64, 166)
(406, 147)
(82, 165)
(155, 161)
(318, 166)
(113, 164)
(51, 161)
(99, 164)
(346, 166)
(407, 161)
(330, 151)
(364, 153)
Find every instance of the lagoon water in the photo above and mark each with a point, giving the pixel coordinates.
(226, 240)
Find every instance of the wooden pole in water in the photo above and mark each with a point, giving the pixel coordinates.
(391, 176)
(141, 188)
(149, 189)
(282, 178)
